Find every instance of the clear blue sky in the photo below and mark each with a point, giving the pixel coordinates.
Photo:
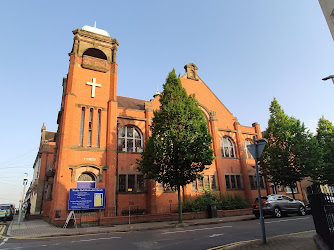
(247, 52)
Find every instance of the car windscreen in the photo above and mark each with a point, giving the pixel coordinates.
(4, 207)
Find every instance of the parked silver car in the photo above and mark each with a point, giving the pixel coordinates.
(278, 205)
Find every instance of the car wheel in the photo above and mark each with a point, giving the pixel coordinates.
(277, 212)
(302, 211)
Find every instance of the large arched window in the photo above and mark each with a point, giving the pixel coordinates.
(130, 139)
(247, 153)
(227, 147)
(86, 180)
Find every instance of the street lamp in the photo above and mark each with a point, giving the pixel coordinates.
(329, 77)
(25, 182)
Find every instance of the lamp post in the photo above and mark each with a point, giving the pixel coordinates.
(329, 77)
(25, 181)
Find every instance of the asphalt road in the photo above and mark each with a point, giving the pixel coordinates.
(194, 237)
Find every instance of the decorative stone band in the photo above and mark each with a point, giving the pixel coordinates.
(90, 107)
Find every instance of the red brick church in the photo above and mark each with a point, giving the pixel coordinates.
(100, 135)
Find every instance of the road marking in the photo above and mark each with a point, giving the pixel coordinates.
(110, 238)
(2, 229)
(215, 235)
(3, 242)
(193, 230)
(276, 221)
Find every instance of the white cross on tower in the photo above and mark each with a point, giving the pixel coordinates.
(93, 84)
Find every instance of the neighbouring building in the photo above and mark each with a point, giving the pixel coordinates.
(100, 135)
(40, 189)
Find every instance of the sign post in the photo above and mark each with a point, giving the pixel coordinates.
(129, 191)
(256, 150)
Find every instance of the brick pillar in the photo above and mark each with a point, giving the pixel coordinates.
(242, 156)
(151, 185)
(217, 153)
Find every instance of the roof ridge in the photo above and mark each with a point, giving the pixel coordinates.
(132, 98)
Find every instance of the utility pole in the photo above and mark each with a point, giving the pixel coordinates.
(25, 181)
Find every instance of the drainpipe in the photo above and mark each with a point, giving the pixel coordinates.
(116, 172)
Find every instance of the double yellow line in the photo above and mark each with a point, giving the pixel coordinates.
(2, 229)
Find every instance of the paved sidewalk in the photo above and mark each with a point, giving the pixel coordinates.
(37, 228)
(302, 241)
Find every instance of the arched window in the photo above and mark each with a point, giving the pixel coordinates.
(247, 153)
(130, 139)
(227, 147)
(95, 53)
(86, 180)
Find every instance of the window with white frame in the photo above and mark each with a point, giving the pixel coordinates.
(130, 139)
(247, 153)
(227, 147)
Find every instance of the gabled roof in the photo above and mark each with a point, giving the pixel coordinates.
(130, 103)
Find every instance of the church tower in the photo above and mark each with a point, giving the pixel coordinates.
(87, 121)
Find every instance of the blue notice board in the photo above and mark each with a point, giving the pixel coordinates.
(86, 198)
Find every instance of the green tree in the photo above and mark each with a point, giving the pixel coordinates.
(291, 150)
(325, 137)
(180, 145)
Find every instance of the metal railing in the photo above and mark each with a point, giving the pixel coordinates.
(322, 207)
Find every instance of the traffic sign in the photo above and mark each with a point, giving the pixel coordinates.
(260, 146)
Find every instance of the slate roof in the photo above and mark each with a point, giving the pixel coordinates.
(130, 103)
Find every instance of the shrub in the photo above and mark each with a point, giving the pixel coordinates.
(201, 203)
(229, 202)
